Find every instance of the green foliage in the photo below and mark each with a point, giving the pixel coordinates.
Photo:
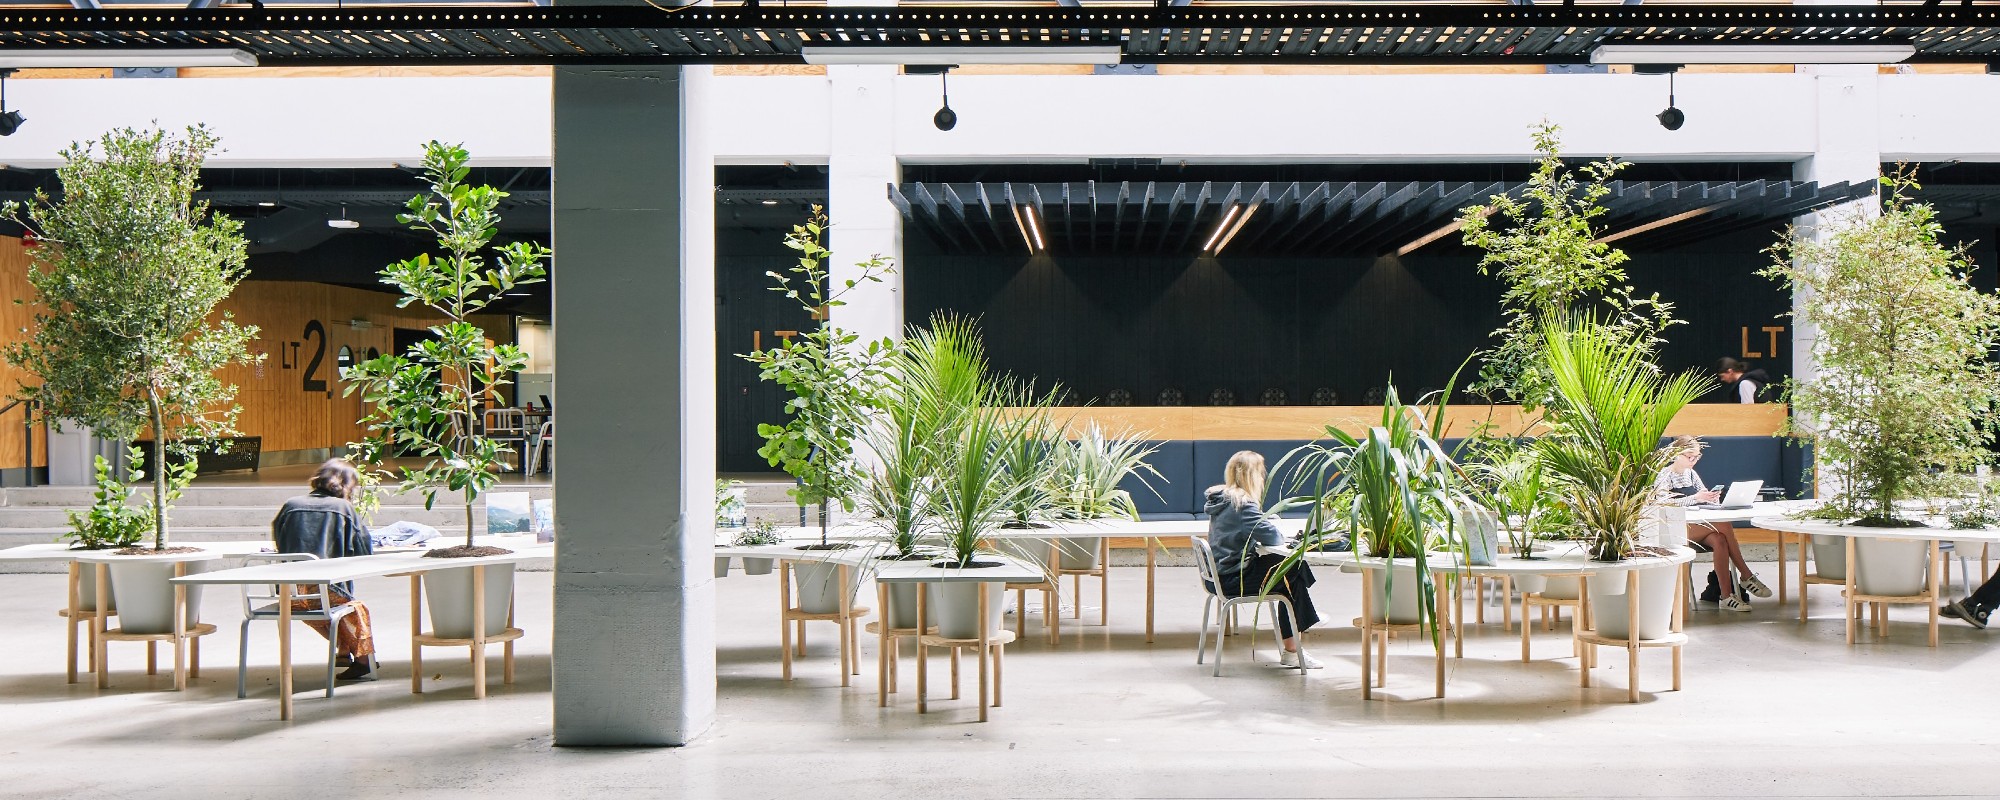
(112, 521)
(1610, 408)
(833, 377)
(1905, 391)
(1038, 459)
(426, 401)
(758, 534)
(1515, 485)
(1552, 263)
(974, 488)
(928, 383)
(1393, 492)
(729, 506)
(1086, 476)
(126, 337)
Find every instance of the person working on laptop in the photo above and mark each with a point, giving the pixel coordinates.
(1684, 487)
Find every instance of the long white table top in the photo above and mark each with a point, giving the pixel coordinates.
(339, 570)
(1561, 560)
(1823, 528)
(59, 551)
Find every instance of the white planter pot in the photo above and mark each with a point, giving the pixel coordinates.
(1398, 596)
(1026, 550)
(954, 607)
(1078, 553)
(757, 566)
(1670, 525)
(1530, 584)
(1891, 567)
(448, 593)
(1609, 603)
(1562, 588)
(721, 566)
(818, 585)
(86, 589)
(1830, 557)
(1481, 529)
(903, 604)
(146, 599)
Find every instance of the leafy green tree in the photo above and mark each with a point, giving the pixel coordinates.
(126, 336)
(1906, 389)
(427, 401)
(1549, 255)
(834, 378)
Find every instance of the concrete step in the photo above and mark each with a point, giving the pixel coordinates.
(15, 537)
(266, 496)
(767, 492)
(203, 516)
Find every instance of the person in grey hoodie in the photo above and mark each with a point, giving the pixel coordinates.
(1236, 527)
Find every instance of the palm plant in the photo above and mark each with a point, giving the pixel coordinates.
(1394, 492)
(1037, 459)
(1516, 486)
(929, 384)
(973, 487)
(1609, 410)
(1088, 475)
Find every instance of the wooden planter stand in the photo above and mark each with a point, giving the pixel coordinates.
(1579, 610)
(420, 640)
(1858, 602)
(1589, 639)
(75, 616)
(1375, 637)
(844, 619)
(989, 647)
(187, 640)
(1102, 572)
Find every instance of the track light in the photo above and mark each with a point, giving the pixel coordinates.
(10, 121)
(343, 223)
(945, 119)
(1672, 119)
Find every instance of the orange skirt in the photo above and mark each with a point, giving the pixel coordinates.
(357, 636)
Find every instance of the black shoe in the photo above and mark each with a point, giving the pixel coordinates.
(1712, 594)
(343, 660)
(359, 671)
(1959, 609)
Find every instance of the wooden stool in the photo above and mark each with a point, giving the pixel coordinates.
(187, 640)
(1552, 606)
(478, 642)
(844, 618)
(1589, 639)
(1102, 572)
(1375, 637)
(1051, 590)
(987, 645)
(889, 652)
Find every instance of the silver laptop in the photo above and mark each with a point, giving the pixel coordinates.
(1741, 494)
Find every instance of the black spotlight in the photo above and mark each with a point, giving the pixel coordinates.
(945, 119)
(10, 121)
(1672, 119)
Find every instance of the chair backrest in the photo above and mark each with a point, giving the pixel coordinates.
(505, 421)
(548, 431)
(251, 598)
(1204, 561)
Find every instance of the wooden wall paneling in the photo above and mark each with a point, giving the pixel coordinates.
(14, 262)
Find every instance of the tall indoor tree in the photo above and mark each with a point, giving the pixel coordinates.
(1906, 390)
(834, 379)
(427, 402)
(128, 274)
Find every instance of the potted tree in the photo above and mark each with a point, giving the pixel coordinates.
(111, 523)
(126, 336)
(427, 402)
(1905, 390)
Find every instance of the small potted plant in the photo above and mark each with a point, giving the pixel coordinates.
(758, 534)
(111, 523)
(1087, 482)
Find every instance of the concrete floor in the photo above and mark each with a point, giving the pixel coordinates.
(1771, 709)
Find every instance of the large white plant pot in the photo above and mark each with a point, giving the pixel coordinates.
(86, 589)
(1669, 527)
(448, 593)
(903, 604)
(1398, 595)
(1609, 603)
(1890, 567)
(146, 599)
(954, 607)
(1026, 550)
(819, 587)
(1830, 557)
(757, 566)
(722, 566)
(1078, 553)
(1561, 588)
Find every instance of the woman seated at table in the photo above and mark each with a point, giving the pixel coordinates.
(325, 524)
(1236, 527)
(1684, 484)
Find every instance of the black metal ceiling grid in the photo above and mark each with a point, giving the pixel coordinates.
(1315, 219)
(1357, 34)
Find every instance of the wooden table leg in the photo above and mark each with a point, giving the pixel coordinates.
(1507, 604)
(1576, 630)
(984, 678)
(785, 625)
(1684, 581)
(285, 651)
(882, 646)
(1367, 634)
(507, 650)
(479, 632)
(1104, 581)
(1782, 536)
(152, 658)
(923, 653)
(1444, 618)
(1458, 619)
(847, 654)
(1805, 543)
(98, 626)
(999, 653)
(1850, 589)
(75, 609)
(1632, 636)
(1937, 565)
(180, 629)
(1149, 589)
(1525, 628)
(416, 629)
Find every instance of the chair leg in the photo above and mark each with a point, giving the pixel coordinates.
(242, 657)
(1228, 612)
(1201, 639)
(1253, 635)
(332, 653)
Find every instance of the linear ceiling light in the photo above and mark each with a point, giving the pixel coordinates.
(1444, 230)
(1035, 227)
(1751, 54)
(1031, 233)
(1657, 224)
(1221, 228)
(200, 57)
(1231, 235)
(969, 54)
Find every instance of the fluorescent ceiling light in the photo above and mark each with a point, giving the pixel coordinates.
(967, 54)
(1657, 224)
(1231, 235)
(208, 57)
(1221, 228)
(1031, 229)
(1751, 53)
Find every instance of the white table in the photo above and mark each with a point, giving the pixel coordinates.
(1761, 508)
(917, 572)
(286, 574)
(1149, 531)
(1807, 528)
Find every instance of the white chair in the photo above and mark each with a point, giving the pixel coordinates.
(509, 425)
(1217, 605)
(264, 607)
(545, 441)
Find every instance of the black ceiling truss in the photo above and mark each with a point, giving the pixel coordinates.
(1325, 219)
(1346, 34)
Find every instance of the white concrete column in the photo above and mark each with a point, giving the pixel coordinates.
(1849, 149)
(860, 166)
(635, 303)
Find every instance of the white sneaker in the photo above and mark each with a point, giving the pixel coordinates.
(1298, 660)
(1732, 604)
(1755, 586)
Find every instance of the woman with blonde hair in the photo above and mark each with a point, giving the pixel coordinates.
(1236, 528)
(325, 524)
(1681, 485)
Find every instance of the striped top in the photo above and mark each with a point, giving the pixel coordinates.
(1678, 484)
